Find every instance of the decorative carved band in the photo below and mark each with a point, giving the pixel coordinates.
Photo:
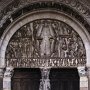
(45, 42)
(39, 62)
(16, 9)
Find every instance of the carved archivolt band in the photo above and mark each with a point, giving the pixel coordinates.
(45, 42)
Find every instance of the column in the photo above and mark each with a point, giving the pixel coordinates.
(88, 73)
(1, 78)
(83, 78)
(45, 81)
(7, 78)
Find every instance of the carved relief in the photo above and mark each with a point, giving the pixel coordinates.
(8, 72)
(1, 72)
(82, 71)
(45, 42)
(78, 5)
(45, 81)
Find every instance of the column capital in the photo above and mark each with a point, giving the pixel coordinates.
(8, 72)
(82, 71)
(88, 68)
(45, 73)
(88, 71)
(1, 72)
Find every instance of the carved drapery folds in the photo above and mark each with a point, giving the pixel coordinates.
(45, 42)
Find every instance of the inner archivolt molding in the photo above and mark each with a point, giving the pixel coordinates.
(45, 42)
(16, 9)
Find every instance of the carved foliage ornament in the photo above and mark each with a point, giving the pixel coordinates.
(45, 42)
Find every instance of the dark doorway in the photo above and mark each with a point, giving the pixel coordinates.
(64, 79)
(60, 79)
(26, 79)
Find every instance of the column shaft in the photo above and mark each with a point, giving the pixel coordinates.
(83, 78)
(1, 78)
(7, 78)
(88, 73)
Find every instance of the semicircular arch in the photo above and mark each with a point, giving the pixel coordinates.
(42, 15)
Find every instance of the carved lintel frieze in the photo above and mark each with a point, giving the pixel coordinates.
(9, 72)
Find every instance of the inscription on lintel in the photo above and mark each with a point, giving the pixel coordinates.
(55, 63)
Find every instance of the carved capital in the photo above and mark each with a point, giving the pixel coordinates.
(1, 72)
(8, 72)
(82, 71)
(45, 73)
(88, 71)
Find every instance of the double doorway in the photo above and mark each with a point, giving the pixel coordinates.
(60, 79)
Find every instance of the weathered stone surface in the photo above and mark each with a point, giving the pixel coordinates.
(1, 83)
(13, 6)
(45, 42)
(9, 7)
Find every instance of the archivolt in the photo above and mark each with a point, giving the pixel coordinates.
(71, 7)
(43, 14)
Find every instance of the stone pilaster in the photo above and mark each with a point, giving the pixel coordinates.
(83, 78)
(7, 78)
(88, 73)
(1, 78)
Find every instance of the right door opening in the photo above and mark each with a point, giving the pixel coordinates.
(64, 79)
